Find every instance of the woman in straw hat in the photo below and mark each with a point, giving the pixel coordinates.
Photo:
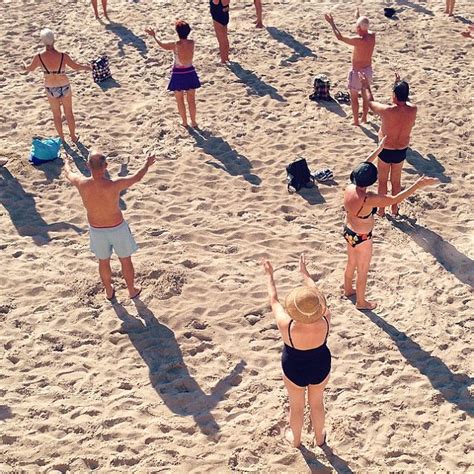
(360, 206)
(306, 361)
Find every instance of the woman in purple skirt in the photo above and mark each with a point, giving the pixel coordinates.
(184, 79)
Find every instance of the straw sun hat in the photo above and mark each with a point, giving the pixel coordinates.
(305, 305)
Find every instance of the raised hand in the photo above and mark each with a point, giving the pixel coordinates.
(267, 267)
(397, 77)
(329, 18)
(150, 31)
(363, 80)
(150, 160)
(302, 265)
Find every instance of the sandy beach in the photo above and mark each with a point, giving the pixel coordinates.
(188, 379)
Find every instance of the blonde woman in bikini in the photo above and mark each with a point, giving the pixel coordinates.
(58, 89)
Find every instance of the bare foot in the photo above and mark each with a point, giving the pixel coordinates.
(355, 123)
(381, 212)
(322, 440)
(75, 138)
(184, 124)
(194, 125)
(349, 293)
(135, 293)
(110, 293)
(259, 24)
(364, 119)
(290, 439)
(366, 305)
(395, 210)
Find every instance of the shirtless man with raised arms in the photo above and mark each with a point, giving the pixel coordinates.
(108, 229)
(364, 45)
(398, 120)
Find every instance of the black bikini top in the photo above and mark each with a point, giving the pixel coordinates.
(53, 72)
(371, 213)
(291, 341)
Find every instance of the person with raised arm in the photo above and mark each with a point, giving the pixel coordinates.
(184, 79)
(304, 324)
(108, 229)
(57, 86)
(363, 44)
(361, 205)
(398, 120)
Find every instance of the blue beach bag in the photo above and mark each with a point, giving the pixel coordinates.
(44, 150)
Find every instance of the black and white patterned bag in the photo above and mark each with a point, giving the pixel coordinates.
(101, 69)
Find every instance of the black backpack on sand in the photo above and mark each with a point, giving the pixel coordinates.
(298, 175)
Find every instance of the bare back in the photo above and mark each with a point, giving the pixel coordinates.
(53, 64)
(363, 50)
(397, 123)
(184, 52)
(101, 199)
(355, 206)
(305, 336)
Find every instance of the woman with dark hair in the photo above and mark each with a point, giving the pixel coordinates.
(57, 86)
(220, 18)
(184, 79)
(304, 324)
(360, 206)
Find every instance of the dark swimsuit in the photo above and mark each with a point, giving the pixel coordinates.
(393, 156)
(353, 238)
(220, 13)
(306, 367)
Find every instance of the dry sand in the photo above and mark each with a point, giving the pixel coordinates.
(189, 379)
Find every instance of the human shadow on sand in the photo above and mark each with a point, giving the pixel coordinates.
(315, 466)
(5, 412)
(416, 6)
(429, 165)
(453, 387)
(169, 376)
(79, 159)
(455, 262)
(300, 50)
(255, 84)
(127, 38)
(231, 161)
(21, 207)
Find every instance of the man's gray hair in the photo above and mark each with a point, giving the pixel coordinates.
(363, 23)
(96, 160)
(47, 37)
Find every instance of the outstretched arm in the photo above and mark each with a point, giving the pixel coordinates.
(32, 66)
(376, 152)
(72, 177)
(308, 281)
(76, 66)
(352, 41)
(376, 107)
(381, 200)
(124, 183)
(167, 46)
(277, 308)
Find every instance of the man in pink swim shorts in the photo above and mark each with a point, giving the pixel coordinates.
(364, 45)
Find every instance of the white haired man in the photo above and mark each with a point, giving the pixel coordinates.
(364, 44)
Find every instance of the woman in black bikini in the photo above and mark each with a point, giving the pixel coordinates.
(58, 89)
(360, 206)
(220, 17)
(306, 360)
